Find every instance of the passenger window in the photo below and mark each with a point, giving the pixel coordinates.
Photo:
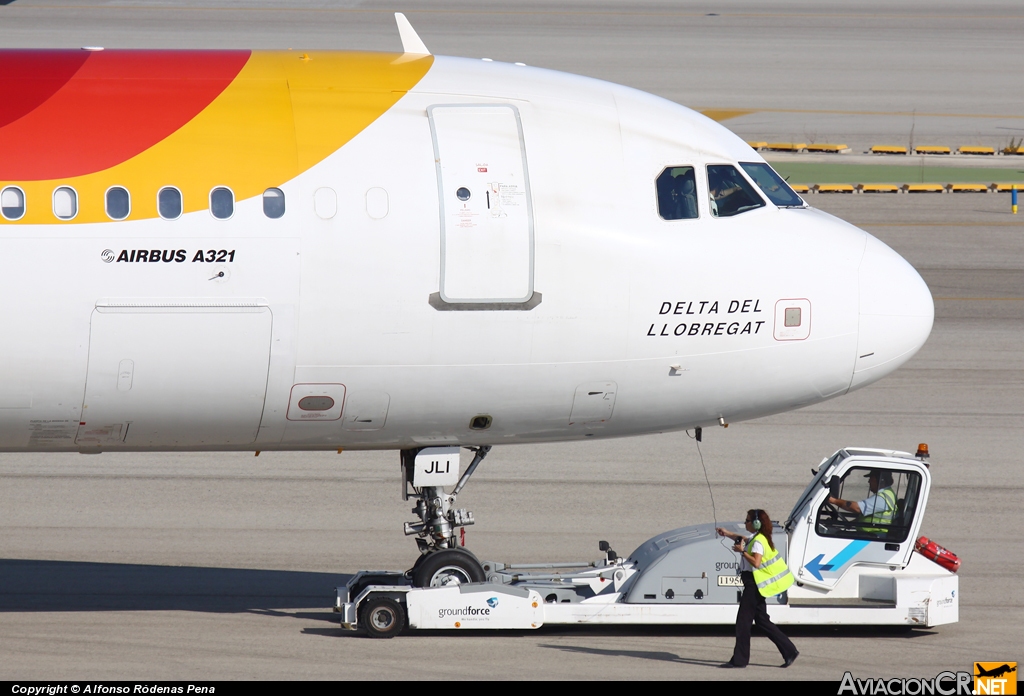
(325, 203)
(168, 203)
(772, 185)
(273, 203)
(677, 194)
(118, 203)
(887, 501)
(12, 203)
(222, 203)
(729, 193)
(65, 203)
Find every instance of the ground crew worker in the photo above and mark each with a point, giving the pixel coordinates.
(764, 574)
(878, 510)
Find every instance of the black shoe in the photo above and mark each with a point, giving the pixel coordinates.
(790, 660)
(731, 665)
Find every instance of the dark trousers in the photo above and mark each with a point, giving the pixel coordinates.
(754, 611)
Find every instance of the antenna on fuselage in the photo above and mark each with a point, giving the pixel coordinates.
(411, 42)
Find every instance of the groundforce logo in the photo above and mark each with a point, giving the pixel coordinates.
(463, 612)
(944, 684)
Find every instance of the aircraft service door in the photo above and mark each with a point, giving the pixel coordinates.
(182, 374)
(486, 212)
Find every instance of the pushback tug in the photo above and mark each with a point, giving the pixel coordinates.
(848, 571)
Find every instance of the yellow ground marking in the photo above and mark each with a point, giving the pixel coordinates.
(848, 112)
(939, 224)
(725, 114)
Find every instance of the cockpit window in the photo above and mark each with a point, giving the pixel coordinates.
(729, 193)
(677, 194)
(773, 185)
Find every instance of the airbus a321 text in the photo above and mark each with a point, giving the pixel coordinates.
(309, 250)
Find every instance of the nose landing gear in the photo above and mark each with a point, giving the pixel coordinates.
(442, 562)
(446, 567)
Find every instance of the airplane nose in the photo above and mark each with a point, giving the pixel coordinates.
(896, 313)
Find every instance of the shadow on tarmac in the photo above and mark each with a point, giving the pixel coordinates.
(638, 654)
(28, 585)
(668, 630)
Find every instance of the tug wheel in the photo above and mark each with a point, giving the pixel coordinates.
(382, 617)
(447, 567)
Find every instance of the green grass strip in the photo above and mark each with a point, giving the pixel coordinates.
(826, 173)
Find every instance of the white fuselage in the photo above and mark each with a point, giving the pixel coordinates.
(334, 300)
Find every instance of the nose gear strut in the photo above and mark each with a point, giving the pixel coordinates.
(438, 517)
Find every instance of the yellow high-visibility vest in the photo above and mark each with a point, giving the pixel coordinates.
(773, 577)
(879, 520)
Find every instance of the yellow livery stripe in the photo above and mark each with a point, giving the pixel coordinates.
(284, 112)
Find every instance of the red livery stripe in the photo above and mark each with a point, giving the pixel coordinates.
(28, 78)
(66, 115)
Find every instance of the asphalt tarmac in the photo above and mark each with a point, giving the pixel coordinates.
(125, 566)
(918, 72)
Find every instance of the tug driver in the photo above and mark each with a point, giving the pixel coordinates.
(878, 510)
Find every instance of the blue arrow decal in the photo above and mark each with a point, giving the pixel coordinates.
(815, 566)
(844, 556)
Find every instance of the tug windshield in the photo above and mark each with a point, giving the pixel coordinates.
(886, 503)
(817, 482)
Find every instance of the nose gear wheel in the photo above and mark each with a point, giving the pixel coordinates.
(447, 567)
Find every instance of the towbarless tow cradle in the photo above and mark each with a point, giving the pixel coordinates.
(849, 570)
